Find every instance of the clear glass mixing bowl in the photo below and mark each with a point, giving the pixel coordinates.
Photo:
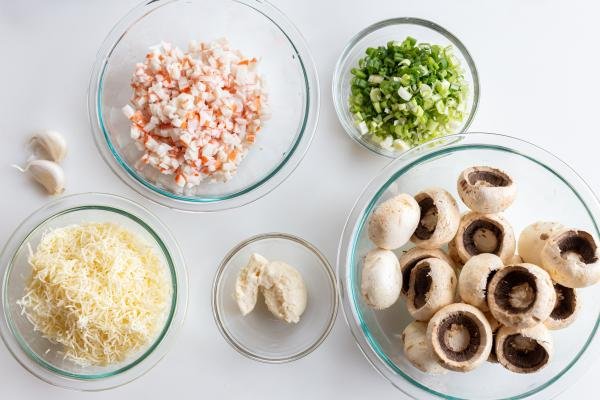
(548, 190)
(379, 34)
(255, 27)
(40, 356)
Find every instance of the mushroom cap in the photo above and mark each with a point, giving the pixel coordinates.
(439, 218)
(495, 325)
(475, 277)
(524, 350)
(572, 258)
(460, 336)
(394, 221)
(381, 279)
(486, 190)
(533, 238)
(453, 253)
(515, 259)
(432, 286)
(565, 309)
(521, 295)
(417, 349)
(484, 233)
(412, 257)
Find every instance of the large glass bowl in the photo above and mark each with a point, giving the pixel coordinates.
(256, 28)
(379, 34)
(548, 190)
(40, 356)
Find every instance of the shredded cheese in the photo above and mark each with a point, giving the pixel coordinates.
(97, 290)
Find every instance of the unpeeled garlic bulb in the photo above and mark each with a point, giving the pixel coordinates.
(48, 173)
(52, 143)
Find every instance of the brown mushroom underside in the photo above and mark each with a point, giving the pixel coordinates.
(407, 270)
(422, 285)
(428, 219)
(519, 277)
(474, 337)
(565, 302)
(524, 352)
(493, 179)
(471, 230)
(580, 243)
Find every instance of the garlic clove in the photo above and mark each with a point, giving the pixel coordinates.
(52, 143)
(47, 173)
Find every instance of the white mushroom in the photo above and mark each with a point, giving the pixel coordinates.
(534, 237)
(394, 221)
(417, 349)
(486, 190)
(521, 295)
(460, 336)
(475, 277)
(432, 286)
(381, 279)
(495, 326)
(484, 233)
(439, 218)
(565, 309)
(524, 350)
(572, 258)
(412, 257)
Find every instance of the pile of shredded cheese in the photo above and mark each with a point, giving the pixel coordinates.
(98, 290)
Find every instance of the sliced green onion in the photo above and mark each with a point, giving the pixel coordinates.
(406, 93)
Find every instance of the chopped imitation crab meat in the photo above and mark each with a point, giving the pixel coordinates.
(196, 113)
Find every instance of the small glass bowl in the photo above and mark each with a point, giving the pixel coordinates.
(256, 28)
(259, 335)
(40, 356)
(548, 190)
(379, 34)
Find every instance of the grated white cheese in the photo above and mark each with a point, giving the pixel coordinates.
(97, 290)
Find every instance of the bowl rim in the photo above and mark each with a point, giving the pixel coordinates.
(338, 102)
(216, 294)
(144, 360)
(248, 194)
(357, 218)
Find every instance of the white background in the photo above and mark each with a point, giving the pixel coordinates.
(538, 63)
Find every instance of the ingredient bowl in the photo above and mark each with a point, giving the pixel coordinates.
(258, 30)
(397, 30)
(548, 189)
(259, 335)
(46, 359)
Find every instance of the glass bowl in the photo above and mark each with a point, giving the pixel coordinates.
(259, 335)
(256, 28)
(548, 190)
(379, 34)
(40, 356)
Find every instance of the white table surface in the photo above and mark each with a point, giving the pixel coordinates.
(538, 63)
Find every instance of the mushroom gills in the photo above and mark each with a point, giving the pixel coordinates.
(524, 353)
(577, 247)
(422, 285)
(487, 178)
(459, 337)
(517, 291)
(565, 302)
(482, 237)
(428, 219)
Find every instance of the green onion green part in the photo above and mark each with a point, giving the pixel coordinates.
(407, 93)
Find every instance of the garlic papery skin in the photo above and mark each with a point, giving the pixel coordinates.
(47, 173)
(52, 143)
